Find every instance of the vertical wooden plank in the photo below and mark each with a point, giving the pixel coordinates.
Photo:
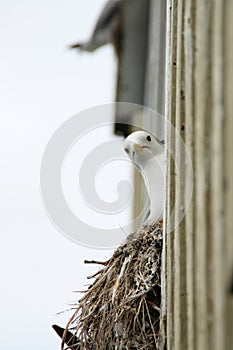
(201, 140)
(166, 323)
(170, 183)
(228, 168)
(189, 28)
(179, 234)
(216, 198)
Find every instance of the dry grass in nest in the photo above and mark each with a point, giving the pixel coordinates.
(121, 309)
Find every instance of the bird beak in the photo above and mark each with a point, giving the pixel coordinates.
(137, 147)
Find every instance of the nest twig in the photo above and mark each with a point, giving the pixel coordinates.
(121, 309)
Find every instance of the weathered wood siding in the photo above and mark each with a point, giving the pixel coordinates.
(198, 257)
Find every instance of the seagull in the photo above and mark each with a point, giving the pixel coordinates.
(107, 29)
(147, 154)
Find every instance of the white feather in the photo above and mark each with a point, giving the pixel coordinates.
(147, 154)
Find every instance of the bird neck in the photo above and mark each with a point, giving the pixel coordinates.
(154, 178)
(153, 172)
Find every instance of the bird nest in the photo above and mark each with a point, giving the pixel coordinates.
(121, 308)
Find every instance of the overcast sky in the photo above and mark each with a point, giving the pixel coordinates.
(42, 85)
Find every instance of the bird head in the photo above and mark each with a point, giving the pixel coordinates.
(141, 146)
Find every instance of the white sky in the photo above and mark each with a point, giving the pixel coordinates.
(42, 84)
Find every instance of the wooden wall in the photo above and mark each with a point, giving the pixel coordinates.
(198, 255)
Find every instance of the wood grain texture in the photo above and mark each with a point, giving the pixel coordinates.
(199, 103)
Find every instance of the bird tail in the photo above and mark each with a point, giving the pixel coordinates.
(67, 337)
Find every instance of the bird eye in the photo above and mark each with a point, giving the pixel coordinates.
(148, 138)
(126, 150)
